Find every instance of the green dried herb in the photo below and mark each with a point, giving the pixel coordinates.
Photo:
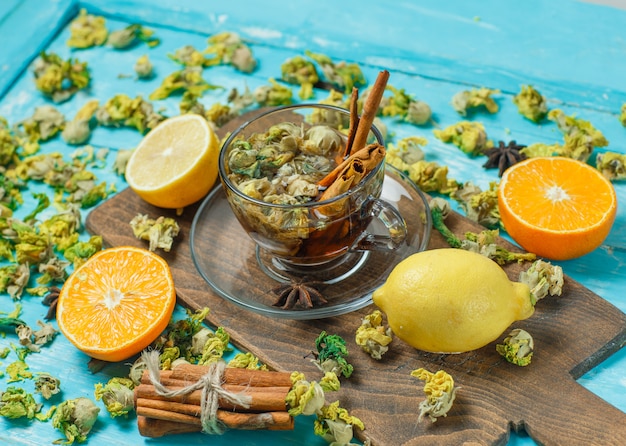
(612, 165)
(78, 130)
(160, 232)
(9, 144)
(308, 398)
(44, 124)
(87, 30)
(406, 107)
(229, 49)
(543, 279)
(209, 346)
(541, 149)
(121, 110)
(127, 37)
(117, 395)
(18, 370)
(47, 385)
(60, 79)
(468, 136)
(273, 95)
(331, 355)
(14, 279)
(300, 71)
(75, 418)
(517, 347)
(373, 337)
(440, 393)
(336, 425)
(189, 57)
(531, 104)
(81, 251)
(188, 79)
(484, 243)
(474, 98)
(343, 75)
(246, 361)
(144, 68)
(16, 402)
(580, 136)
(479, 206)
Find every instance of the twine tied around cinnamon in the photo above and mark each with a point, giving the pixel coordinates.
(211, 386)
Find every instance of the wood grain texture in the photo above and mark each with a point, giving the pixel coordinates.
(572, 334)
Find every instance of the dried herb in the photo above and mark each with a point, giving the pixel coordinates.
(273, 95)
(440, 393)
(117, 395)
(479, 206)
(622, 116)
(531, 104)
(612, 165)
(331, 355)
(335, 424)
(188, 79)
(160, 232)
(373, 337)
(123, 111)
(60, 79)
(468, 136)
(16, 402)
(144, 68)
(246, 361)
(78, 130)
(230, 49)
(543, 279)
(406, 107)
(308, 398)
(47, 385)
(128, 36)
(87, 30)
(504, 156)
(75, 418)
(517, 347)
(300, 71)
(188, 56)
(474, 98)
(580, 136)
(342, 75)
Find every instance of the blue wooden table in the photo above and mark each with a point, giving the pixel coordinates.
(573, 52)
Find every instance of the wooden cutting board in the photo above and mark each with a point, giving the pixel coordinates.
(572, 334)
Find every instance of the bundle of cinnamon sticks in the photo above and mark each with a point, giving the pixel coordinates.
(159, 415)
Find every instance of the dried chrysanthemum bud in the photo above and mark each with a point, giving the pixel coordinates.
(517, 347)
(76, 132)
(531, 104)
(273, 95)
(464, 100)
(335, 424)
(543, 278)
(440, 393)
(469, 136)
(372, 336)
(143, 67)
(612, 165)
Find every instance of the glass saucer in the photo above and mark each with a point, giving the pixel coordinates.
(229, 261)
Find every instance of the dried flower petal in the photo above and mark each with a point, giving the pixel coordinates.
(75, 418)
(440, 393)
(160, 232)
(474, 98)
(469, 136)
(517, 347)
(335, 424)
(531, 104)
(612, 165)
(543, 278)
(372, 336)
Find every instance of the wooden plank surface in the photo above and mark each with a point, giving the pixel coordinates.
(572, 334)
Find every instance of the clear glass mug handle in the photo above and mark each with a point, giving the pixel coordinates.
(392, 221)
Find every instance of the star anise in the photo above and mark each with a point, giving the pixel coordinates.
(299, 292)
(51, 300)
(504, 156)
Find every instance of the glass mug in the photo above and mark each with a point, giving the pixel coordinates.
(313, 235)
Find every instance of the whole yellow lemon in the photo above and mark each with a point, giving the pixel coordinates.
(451, 300)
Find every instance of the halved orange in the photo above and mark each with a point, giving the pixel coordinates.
(556, 207)
(117, 303)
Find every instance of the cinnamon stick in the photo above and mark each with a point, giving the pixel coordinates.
(354, 121)
(235, 376)
(263, 399)
(153, 428)
(370, 109)
(372, 155)
(232, 420)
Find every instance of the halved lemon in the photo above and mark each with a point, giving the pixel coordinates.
(175, 164)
